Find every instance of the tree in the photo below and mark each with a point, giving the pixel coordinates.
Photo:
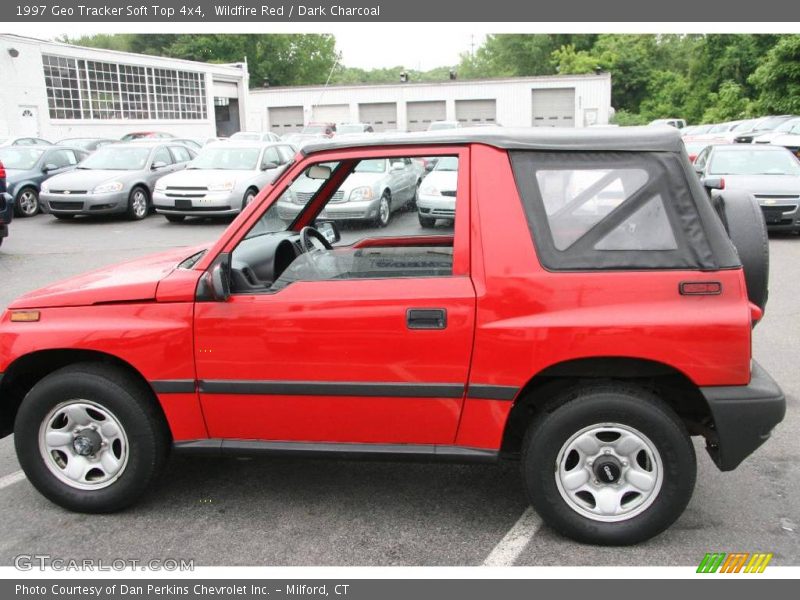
(777, 79)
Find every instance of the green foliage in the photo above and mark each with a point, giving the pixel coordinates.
(623, 118)
(778, 78)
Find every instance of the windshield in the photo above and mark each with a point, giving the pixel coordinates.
(441, 125)
(350, 129)
(787, 125)
(753, 162)
(371, 166)
(20, 158)
(116, 158)
(246, 136)
(232, 159)
(448, 163)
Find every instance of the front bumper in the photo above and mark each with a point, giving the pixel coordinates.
(439, 207)
(782, 217)
(84, 204)
(744, 417)
(212, 204)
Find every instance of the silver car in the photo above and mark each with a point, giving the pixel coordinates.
(372, 192)
(116, 179)
(222, 180)
(255, 136)
(770, 173)
(437, 195)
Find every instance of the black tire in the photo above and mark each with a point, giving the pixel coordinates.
(135, 211)
(132, 403)
(63, 217)
(601, 404)
(426, 222)
(249, 196)
(175, 218)
(744, 221)
(384, 215)
(29, 197)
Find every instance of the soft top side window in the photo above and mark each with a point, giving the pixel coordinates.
(610, 210)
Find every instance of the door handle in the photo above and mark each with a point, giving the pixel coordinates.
(426, 318)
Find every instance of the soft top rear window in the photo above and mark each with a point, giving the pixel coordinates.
(611, 210)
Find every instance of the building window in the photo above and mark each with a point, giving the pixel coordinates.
(86, 89)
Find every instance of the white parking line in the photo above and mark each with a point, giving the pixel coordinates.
(511, 546)
(11, 479)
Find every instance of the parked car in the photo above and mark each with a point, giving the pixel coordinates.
(87, 144)
(507, 338)
(117, 179)
(222, 180)
(759, 127)
(255, 136)
(320, 129)
(770, 173)
(442, 125)
(694, 148)
(437, 193)
(789, 127)
(693, 131)
(135, 135)
(676, 123)
(188, 142)
(28, 167)
(373, 192)
(6, 205)
(353, 129)
(23, 141)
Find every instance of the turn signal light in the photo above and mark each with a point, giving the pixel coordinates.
(701, 288)
(25, 316)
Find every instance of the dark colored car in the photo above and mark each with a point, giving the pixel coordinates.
(137, 135)
(6, 205)
(88, 144)
(28, 166)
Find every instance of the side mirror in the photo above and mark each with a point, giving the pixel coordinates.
(215, 285)
(329, 230)
(159, 164)
(49, 167)
(268, 166)
(318, 172)
(714, 183)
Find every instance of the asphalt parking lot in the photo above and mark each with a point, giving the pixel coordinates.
(332, 512)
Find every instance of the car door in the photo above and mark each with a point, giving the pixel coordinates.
(161, 164)
(272, 163)
(57, 161)
(377, 360)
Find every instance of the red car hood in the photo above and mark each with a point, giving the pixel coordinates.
(133, 281)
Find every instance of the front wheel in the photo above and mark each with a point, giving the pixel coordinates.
(426, 222)
(90, 438)
(612, 465)
(138, 204)
(27, 204)
(384, 211)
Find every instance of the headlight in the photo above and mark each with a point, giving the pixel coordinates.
(225, 186)
(361, 193)
(112, 186)
(429, 190)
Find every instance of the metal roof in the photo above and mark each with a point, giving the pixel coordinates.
(647, 139)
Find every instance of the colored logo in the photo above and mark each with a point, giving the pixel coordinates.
(736, 562)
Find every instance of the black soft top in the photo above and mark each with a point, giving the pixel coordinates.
(619, 139)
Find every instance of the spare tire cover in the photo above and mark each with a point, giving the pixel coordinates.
(744, 221)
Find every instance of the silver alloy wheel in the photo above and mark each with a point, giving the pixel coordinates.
(139, 203)
(83, 444)
(28, 203)
(384, 211)
(609, 472)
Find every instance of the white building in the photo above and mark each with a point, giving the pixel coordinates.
(55, 91)
(560, 100)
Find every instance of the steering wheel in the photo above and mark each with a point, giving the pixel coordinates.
(306, 234)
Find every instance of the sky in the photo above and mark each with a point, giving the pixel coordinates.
(375, 49)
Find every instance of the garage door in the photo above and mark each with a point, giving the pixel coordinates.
(285, 119)
(381, 115)
(422, 114)
(469, 112)
(331, 113)
(554, 108)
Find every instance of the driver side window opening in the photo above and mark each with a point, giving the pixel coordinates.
(389, 217)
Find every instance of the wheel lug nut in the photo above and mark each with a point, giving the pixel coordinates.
(607, 451)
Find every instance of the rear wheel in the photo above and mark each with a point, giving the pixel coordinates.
(175, 218)
(27, 204)
(611, 465)
(138, 204)
(90, 438)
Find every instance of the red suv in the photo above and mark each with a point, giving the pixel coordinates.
(584, 312)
